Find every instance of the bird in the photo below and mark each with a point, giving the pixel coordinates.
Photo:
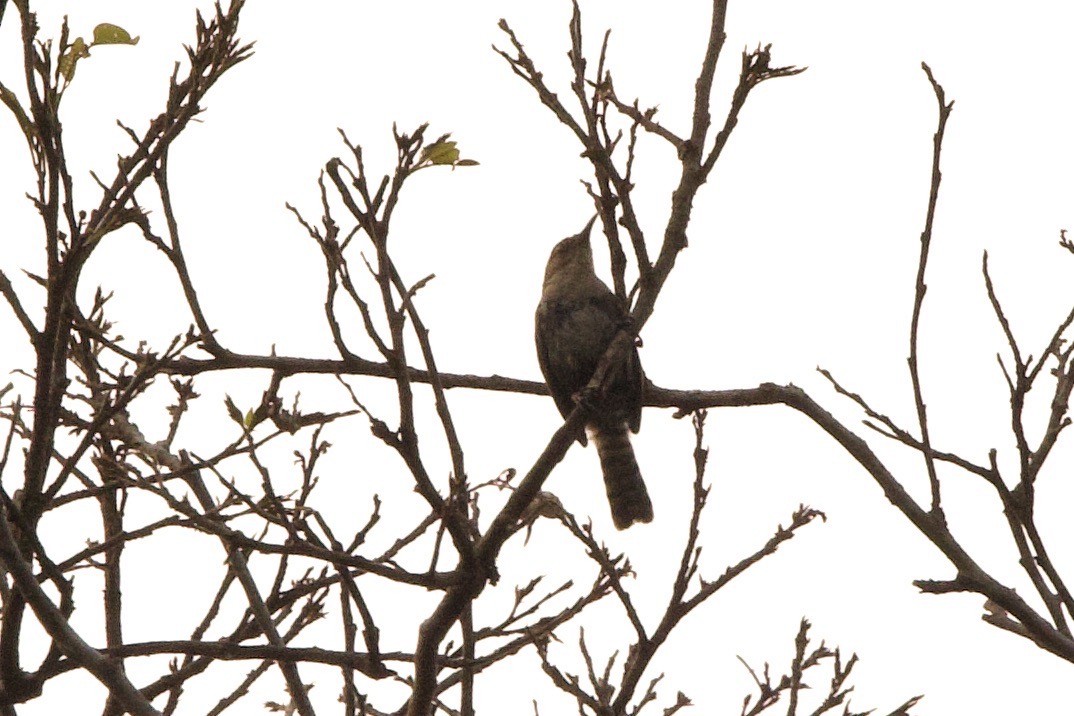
(575, 322)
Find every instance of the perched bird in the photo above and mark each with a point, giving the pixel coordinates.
(576, 320)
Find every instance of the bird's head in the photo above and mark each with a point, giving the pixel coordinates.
(571, 258)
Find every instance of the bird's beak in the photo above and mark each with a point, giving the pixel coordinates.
(589, 226)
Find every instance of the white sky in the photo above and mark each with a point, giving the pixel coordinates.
(803, 250)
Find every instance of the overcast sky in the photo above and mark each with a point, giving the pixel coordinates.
(802, 253)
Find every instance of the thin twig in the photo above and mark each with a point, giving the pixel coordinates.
(919, 292)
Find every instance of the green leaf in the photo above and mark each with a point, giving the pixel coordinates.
(108, 34)
(440, 153)
(70, 58)
(12, 102)
(250, 420)
(467, 163)
(233, 411)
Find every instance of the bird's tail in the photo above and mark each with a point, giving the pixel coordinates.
(627, 495)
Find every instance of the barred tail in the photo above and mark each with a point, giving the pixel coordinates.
(627, 495)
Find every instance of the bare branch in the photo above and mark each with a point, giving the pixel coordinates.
(919, 291)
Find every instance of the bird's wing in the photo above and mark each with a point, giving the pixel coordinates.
(630, 386)
(557, 386)
(635, 383)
